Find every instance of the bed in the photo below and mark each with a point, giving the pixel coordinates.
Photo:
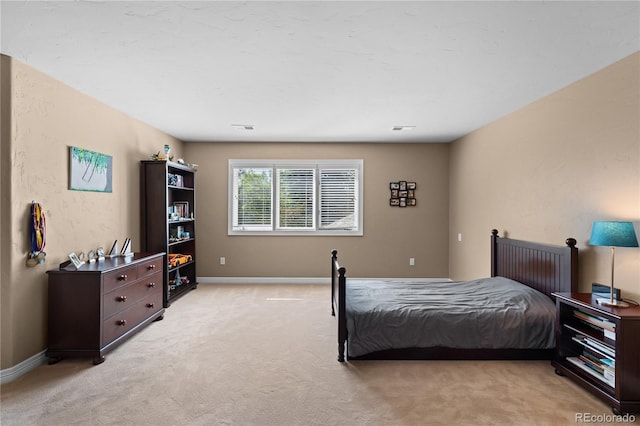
(509, 315)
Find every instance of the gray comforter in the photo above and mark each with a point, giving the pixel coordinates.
(485, 313)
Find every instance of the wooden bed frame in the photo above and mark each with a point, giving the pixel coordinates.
(546, 268)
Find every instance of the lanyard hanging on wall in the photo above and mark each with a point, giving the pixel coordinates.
(38, 235)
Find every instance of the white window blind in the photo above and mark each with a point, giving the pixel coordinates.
(296, 190)
(339, 199)
(298, 197)
(252, 199)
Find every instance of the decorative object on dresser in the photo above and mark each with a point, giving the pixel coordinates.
(613, 234)
(168, 222)
(458, 320)
(126, 248)
(598, 347)
(114, 250)
(99, 305)
(75, 260)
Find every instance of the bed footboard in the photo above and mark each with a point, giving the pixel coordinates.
(338, 293)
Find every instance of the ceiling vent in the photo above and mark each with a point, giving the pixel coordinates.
(243, 126)
(402, 128)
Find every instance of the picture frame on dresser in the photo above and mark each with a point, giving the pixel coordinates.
(75, 260)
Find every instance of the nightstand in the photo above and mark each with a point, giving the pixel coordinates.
(599, 348)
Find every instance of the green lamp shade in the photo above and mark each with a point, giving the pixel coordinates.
(613, 234)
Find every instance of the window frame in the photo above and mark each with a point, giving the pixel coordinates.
(317, 165)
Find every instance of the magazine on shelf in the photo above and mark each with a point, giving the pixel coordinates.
(599, 347)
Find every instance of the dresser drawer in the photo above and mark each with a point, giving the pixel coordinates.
(123, 276)
(150, 267)
(126, 320)
(125, 296)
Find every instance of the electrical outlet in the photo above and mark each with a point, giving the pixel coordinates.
(223, 260)
(459, 236)
(412, 261)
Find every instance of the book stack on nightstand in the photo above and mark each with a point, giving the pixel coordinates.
(599, 348)
(598, 357)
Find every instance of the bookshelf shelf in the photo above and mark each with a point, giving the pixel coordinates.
(599, 348)
(176, 243)
(181, 188)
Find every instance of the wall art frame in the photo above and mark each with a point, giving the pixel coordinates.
(90, 170)
(403, 194)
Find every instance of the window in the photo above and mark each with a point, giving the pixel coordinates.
(295, 197)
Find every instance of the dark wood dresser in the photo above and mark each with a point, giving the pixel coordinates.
(100, 305)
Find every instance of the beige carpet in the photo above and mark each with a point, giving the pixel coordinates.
(266, 355)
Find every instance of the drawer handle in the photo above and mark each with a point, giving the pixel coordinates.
(150, 305)
(122, 277)
(151, 285)
(121, 298)
(122, 322)
(151, 267)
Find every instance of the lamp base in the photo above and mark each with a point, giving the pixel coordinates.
(613, 303)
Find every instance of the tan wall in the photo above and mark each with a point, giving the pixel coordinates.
(44, 118)
(391, 234)
(547, 171)
(5, 210)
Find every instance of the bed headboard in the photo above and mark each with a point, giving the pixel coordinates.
(547, 268)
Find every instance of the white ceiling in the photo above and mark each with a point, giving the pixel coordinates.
(319, 70)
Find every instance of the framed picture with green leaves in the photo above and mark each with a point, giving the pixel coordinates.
(89, 170)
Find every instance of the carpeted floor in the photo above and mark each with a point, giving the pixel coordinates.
(266, 355)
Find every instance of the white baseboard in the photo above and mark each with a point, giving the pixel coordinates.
(24, 367)
(290, 280)
(262, 280)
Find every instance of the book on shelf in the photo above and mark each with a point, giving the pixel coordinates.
(599, 322)
(610, 334)
(597, 362)
(600, 363)
(591, 364)
(607, 327)
(605, 376)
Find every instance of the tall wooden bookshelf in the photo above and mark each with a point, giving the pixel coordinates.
(168, 201)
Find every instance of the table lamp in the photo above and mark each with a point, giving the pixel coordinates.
(613, 234)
